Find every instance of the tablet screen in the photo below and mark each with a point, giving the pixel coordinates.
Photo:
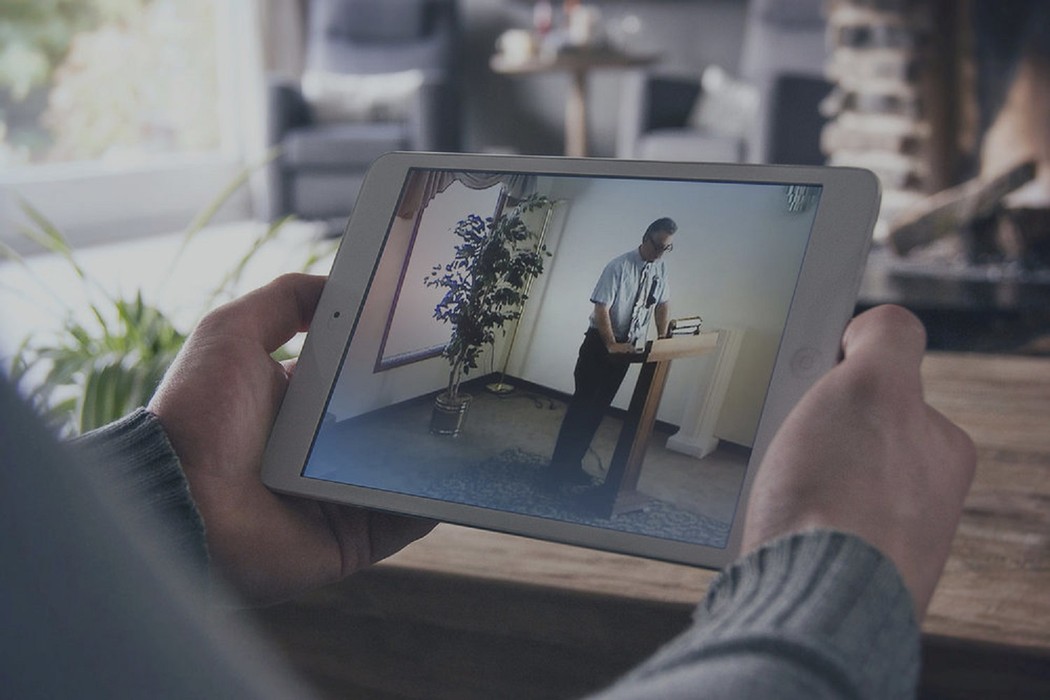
(593, 350)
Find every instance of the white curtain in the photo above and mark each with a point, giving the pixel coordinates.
(424, 185)
(264, 38)
(283, 25)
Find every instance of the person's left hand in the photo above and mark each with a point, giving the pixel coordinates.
(217, 404)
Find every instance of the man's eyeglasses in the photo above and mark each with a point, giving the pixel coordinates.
(662, 248)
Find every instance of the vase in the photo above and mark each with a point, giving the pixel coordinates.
(448, 415)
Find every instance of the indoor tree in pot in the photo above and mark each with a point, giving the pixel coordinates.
(485, 288)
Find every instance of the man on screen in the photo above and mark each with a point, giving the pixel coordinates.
(631, 291)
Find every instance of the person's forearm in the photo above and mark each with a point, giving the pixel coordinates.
(663, 313)
(604, 325)
(814, 615)
(141, 462)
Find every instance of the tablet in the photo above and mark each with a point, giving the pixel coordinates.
(591, 351)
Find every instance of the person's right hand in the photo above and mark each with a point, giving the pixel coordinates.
(863, 453)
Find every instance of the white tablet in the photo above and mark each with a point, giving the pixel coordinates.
(591, 351)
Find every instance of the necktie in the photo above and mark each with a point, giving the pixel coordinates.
(640, 312)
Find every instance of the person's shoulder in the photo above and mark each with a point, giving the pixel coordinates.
(619, 262)
(631, 258)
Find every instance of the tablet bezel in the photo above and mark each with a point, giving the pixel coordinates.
(823, 303)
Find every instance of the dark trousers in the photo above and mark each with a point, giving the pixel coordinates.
(598, 376)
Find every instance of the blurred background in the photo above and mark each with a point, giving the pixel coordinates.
(125, 124)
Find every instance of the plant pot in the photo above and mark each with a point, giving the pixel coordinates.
(448, 415)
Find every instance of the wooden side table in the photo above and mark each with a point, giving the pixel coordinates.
(578, 63)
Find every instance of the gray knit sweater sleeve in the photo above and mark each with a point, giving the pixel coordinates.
(144, 468)
(813, 615)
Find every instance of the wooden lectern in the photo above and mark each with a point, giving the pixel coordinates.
(619, 492)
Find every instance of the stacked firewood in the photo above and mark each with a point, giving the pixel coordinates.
(905, 107)
(895, 107)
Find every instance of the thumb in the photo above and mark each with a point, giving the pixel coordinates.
(274, 313)
(887, 339)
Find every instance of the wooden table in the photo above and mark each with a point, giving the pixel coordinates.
(578, 63)
(996, 586)
(987, 633)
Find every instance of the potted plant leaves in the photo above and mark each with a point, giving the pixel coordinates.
(93, 370)
(485, 285)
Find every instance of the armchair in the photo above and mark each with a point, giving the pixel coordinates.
(361, 48)
(782, 59)
(656, 122)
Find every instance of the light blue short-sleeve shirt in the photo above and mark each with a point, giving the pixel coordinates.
(617, 289)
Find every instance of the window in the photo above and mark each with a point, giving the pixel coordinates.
(120, 117)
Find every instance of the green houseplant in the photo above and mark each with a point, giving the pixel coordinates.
(94, 370)
(485, 286)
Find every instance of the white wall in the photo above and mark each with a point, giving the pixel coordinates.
(735, 263)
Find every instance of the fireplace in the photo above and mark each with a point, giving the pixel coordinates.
(948, 102)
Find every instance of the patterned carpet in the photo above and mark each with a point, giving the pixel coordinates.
(508, 482)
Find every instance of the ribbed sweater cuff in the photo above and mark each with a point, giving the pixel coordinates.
(827, 602)
(146, 473)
